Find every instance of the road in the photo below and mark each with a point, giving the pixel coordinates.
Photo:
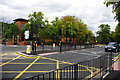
(16, 66)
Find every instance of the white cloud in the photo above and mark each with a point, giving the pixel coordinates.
(93, 12)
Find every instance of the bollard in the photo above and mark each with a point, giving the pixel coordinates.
(53, 44)
(28, 49)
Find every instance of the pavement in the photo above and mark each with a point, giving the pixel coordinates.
(115, 73)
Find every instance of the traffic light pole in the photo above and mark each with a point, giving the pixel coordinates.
(60, 36)
(34, 31)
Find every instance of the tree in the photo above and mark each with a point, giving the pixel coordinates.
(117, 34)
(103, 34)
(56, 26)
(70, 26)
(116, 10)
(67, 23)
(36, 22)
(6, 26)
(75, 27)
(13, 30)
(90, 36)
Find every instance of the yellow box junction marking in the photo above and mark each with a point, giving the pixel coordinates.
(73, 63)
(9, 61)
(90, 70)
(26, 68)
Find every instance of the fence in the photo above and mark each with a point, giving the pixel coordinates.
(63, 47)
(91, 69)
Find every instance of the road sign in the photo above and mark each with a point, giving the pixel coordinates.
(26, 34)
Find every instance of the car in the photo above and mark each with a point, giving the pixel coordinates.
(112, 46)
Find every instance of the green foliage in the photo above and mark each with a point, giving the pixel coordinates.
(104, 34)
(13, 30)
(75, 27)
(117, 33)
(69, 25)
(116, 10)
(36, 22)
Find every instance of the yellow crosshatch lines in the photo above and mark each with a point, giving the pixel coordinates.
(116, 58)
(26, 68)
(92, 70)
(9, 61)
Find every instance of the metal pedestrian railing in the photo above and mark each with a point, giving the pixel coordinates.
(63, 47)
(92, 69)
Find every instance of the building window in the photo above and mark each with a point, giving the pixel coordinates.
(23, 26)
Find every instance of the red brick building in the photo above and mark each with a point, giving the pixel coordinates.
(21, 24)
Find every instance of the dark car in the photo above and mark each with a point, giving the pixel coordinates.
(112, 46)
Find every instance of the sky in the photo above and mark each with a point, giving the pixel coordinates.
(92, 12)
